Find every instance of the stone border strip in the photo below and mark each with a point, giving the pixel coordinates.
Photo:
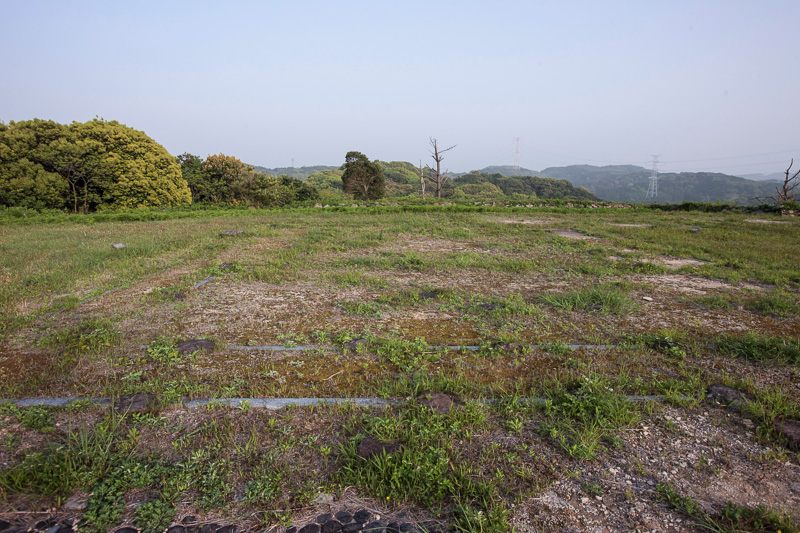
(280, 403)
(312, 347)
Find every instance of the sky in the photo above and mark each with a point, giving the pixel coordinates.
(705, 85)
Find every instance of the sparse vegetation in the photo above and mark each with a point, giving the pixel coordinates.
(535, 340)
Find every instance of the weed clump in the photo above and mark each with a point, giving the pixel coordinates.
(762, 349)
(605, 299)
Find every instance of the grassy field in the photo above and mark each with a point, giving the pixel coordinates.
(578, 308)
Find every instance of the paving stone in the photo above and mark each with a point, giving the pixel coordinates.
(195, 345)
(375, 527)
(321, 519)
(370, 447)
(331, 526)
(343, 517)
(135, 403)
(310, 528)
(176, 529)
(210, 528)
(118, 246)
(362, 516)
(350, 528)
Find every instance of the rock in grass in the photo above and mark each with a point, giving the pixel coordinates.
(790, 430)
(227, 232)
(727, 396)
(362, 516)
(441, 403)
(370, 447)
(118, 246)
(135, 403)
(354, 344)
(202, 345)
(428, 295)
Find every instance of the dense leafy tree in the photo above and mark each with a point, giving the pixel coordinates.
(138, 172)
(525, 185)
(85, 166)
(362, 178)
(192, 172)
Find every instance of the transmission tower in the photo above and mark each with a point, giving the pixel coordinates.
(652, 191)
(516, 154)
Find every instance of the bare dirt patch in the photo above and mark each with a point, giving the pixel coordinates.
(572, 234)
(765, 221)
(418, 243)
(619, 225)
(676, 262)
(526, 221)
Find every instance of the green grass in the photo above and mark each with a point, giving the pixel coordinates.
(580, 417)
(760, 349)
(605, 299)
(732, 519)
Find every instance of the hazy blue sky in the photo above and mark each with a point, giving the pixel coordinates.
(707, 85)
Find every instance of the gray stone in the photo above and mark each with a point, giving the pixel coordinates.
(375, 527)
(695, 230)
(354, 344)
(370, 447)
(176, 529)
(196, 345)
(134, 403)
(55, 529)
(209, 528)
(350, 528)
(727, 396)
(790, 430)
(75, 503)
(227, 529)
(321, 519)
(362, 516)
(227, 232)
(324, 499)
(118, 246)
(408, 527)
(331, 526)
(310, 528)
(488, 307)
(428, 295)
(441, 403)
(343, 517)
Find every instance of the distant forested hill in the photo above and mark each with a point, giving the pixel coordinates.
(629, 183)
(299, 173)
(476, 182)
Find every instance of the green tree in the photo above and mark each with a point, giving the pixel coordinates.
(192, 172)
(362, 178)
(220, 172)
(137, 171)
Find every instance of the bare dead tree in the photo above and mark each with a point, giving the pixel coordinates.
(786, 193)
(422, 179)
(438, 179)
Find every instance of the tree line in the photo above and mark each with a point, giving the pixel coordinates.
(99, 165)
